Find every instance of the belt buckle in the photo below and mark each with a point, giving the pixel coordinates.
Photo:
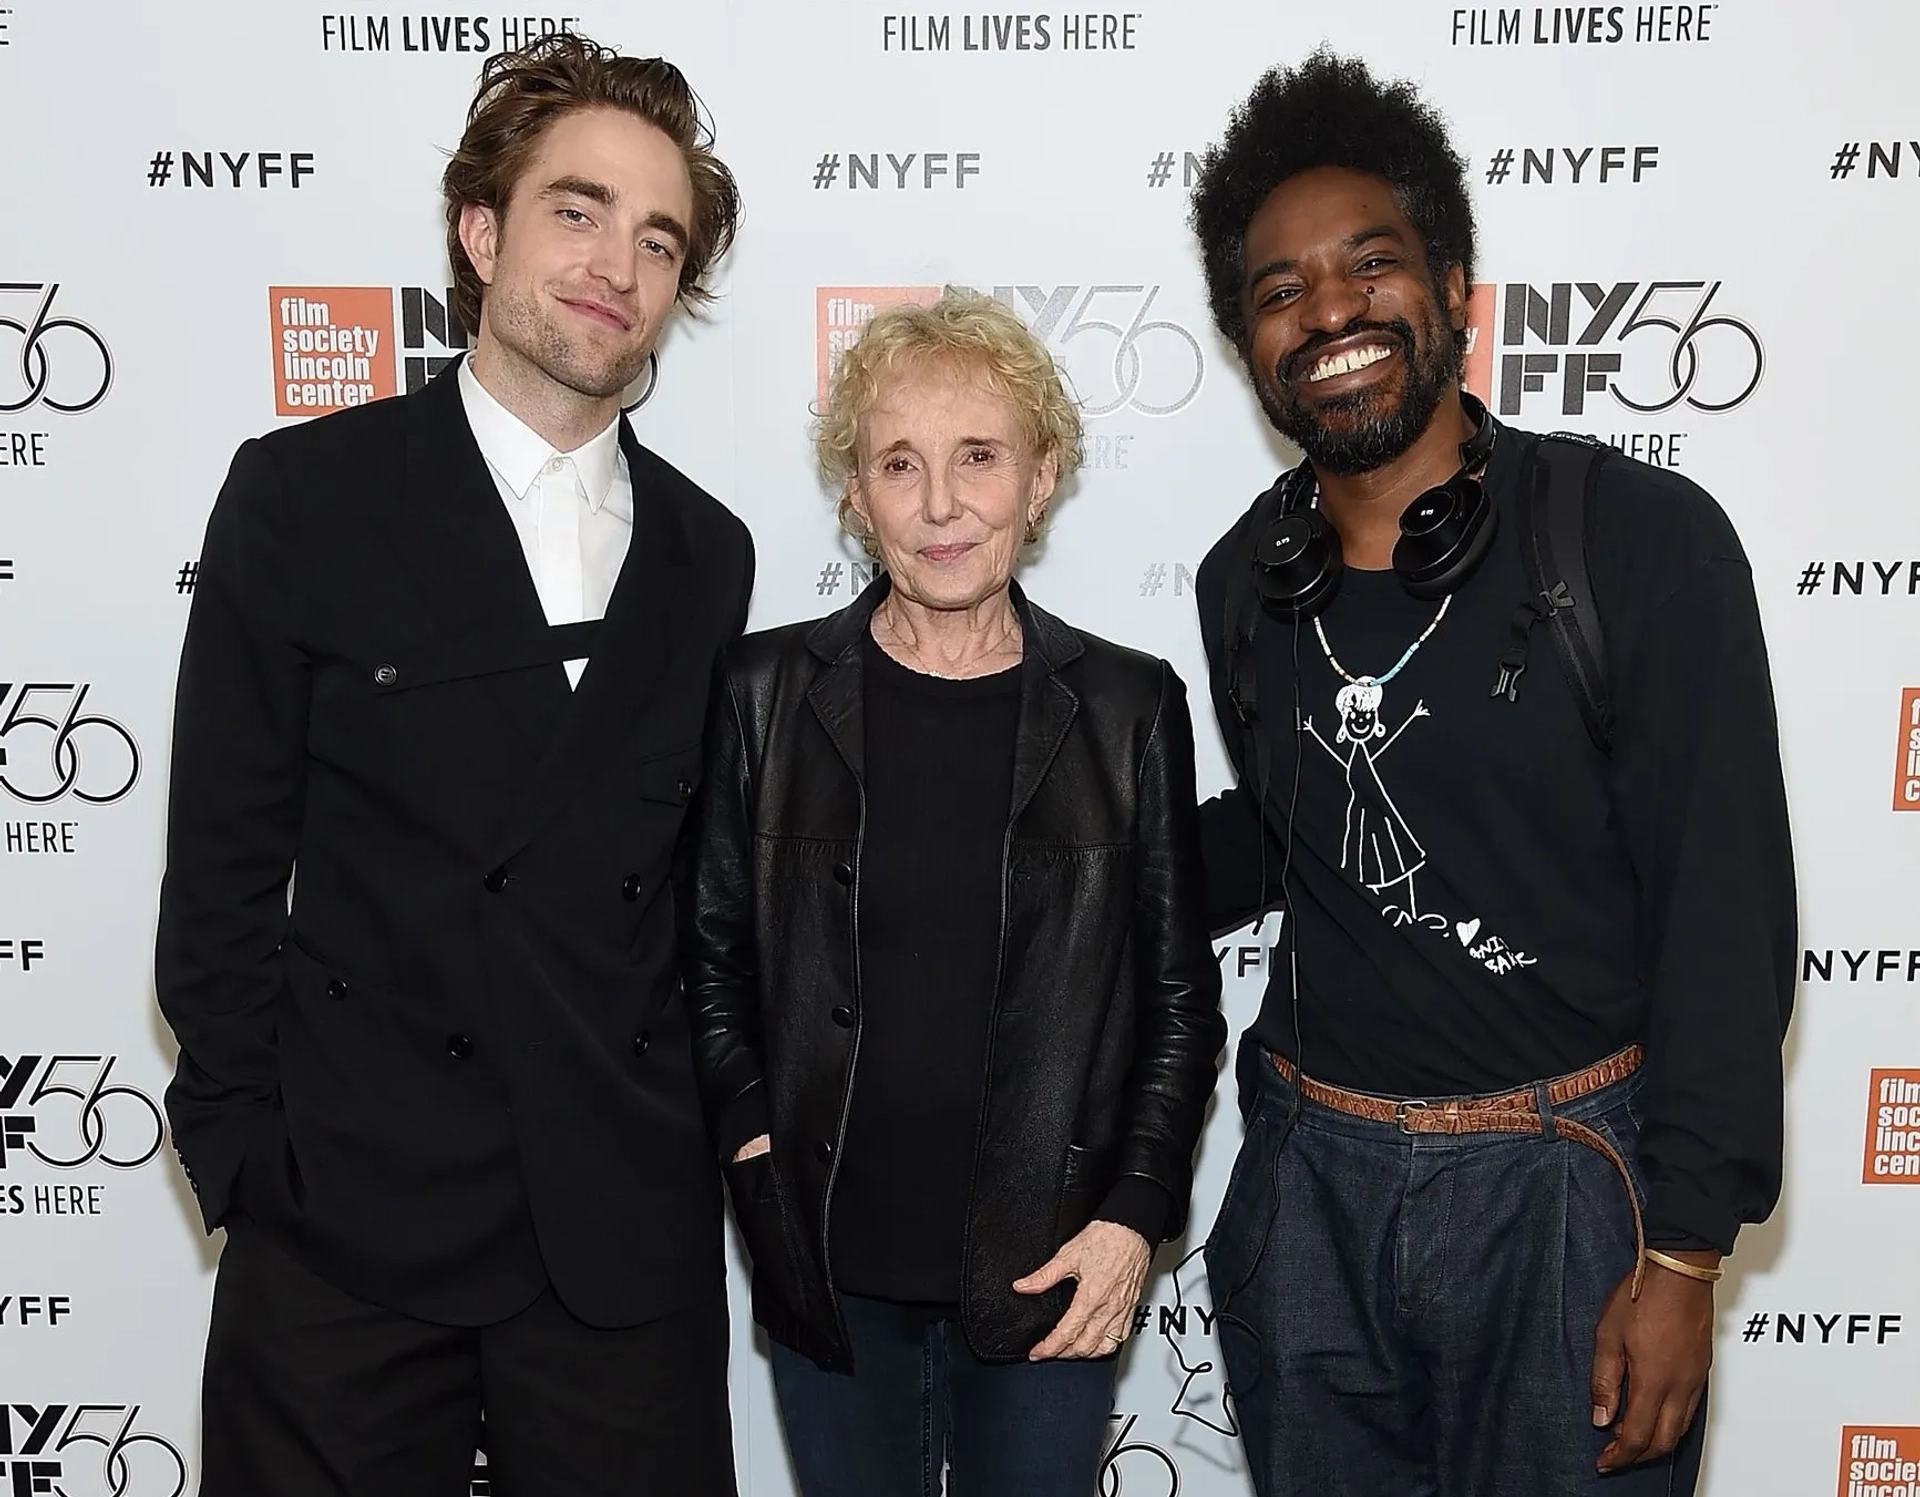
(1403, 1112)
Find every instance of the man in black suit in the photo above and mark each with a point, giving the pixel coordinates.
(438, 722)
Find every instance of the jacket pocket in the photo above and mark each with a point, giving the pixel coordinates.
(671, 777)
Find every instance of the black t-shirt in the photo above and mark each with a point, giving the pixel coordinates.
(1482, 898)
(939, 785)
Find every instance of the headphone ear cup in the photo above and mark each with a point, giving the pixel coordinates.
(1297, 565)
(1444, 536)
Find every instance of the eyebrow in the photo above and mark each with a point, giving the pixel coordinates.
(907, 444)
(606, 197)
(1351, 243)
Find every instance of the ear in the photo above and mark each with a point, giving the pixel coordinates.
(1045, 480)
(480, 238)
(1457, 297)
(857, 502)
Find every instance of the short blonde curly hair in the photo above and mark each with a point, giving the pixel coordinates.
(962, 329)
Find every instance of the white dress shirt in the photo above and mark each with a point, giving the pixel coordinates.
(573, 511)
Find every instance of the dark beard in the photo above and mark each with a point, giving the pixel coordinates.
(1379, 426)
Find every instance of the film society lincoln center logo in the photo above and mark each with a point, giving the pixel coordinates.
(1893, 1129)
(1880, 1461)
(334, 347)
(1906, 761)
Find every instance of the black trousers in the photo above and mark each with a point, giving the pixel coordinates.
(310, 1392)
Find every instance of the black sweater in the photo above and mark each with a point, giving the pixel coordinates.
(1481, 898)
(939, 757)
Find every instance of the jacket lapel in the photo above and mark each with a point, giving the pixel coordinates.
(639, 643)
(838, 695)
(835, 697)
(1047, 704)
(460, 550)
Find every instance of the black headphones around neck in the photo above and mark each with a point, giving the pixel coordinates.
(1444, 535)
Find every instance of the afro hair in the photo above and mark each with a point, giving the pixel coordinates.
(1328, 111)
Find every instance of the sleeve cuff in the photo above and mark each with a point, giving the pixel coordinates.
(1679, 1217)
(1678, 1242)
(1136, 1202)
(741, 1121)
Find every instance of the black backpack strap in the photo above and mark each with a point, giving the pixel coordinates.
(1557, 486)
(1243, 608)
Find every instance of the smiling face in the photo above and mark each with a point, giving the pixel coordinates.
(583, 265)
(1358, 703)
(947, 484)
(1351, 346)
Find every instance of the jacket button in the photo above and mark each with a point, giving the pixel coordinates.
(496, 880)
(685, 787)
(630, 887)
(843, 873)
(336, 989)
(843, 1016)
(459, 1046)
(640, 1044)
(823, 1151)
(385, 675)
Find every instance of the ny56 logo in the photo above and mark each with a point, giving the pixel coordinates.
(1650, 345)
(78, 1450)
(75, 1113)
(51, 747)
(58, 362)
(1120, 356)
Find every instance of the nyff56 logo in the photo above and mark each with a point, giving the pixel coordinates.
(65, 1450)
(57, 362)
(63, 1111)
(1648, 345)
(1111, 341)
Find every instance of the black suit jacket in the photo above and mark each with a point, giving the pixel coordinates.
(452, 1064)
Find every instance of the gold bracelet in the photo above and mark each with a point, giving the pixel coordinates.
(1681, 1266)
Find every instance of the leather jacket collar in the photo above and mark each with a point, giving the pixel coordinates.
(1047, 703)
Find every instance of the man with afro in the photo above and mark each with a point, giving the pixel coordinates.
(1518, 1087)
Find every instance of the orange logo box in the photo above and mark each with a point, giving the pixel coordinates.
(842, 313)
(1906, 753)
(332, 347)
(1880, 1460)
(1893, 1130)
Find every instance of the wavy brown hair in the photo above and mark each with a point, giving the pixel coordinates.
(523, 92)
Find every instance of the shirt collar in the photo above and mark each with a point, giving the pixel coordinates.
(518, 453)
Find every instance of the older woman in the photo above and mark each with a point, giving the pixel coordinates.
(956, 1012)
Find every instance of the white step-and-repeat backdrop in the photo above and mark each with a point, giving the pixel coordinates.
(1698, 227)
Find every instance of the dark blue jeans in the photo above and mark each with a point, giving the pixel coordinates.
(1412, 1315)
(918, 1400)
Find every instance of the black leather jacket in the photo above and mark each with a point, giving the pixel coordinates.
(1106, 1025)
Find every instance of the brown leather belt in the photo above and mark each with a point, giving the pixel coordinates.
(1517, 1111)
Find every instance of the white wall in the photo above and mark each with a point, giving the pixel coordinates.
(1030, 170)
